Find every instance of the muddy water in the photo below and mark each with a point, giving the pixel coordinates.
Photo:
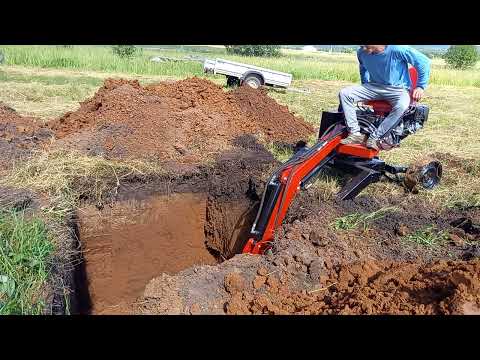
(135, 241)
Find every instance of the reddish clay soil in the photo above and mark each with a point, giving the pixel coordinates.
(19, 135)
(165, 227)
(188, 121)
(444, 287)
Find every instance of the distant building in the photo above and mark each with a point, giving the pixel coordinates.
(309, 48)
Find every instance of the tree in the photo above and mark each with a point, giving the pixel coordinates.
(124, 51)
(461, 56)
(254, 50)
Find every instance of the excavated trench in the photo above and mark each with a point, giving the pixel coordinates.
(127, 245)
(147, 232)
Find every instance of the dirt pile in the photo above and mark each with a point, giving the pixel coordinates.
(19, 135)
(274, 119)
(444, 287)
(187, 121)
(315, 227)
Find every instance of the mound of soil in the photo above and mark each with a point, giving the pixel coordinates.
(19, 135)
(444, 287)
(187, 121)
(274, 119)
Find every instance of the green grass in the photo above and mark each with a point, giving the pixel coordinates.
(428, 237)
(325, 187)
(353, 221)
(302, 66)
(94, 58)
(25, 252)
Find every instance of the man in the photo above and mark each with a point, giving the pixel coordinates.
(384, 76)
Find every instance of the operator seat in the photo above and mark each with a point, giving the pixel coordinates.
(382, 107)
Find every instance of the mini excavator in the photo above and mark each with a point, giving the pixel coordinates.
(362, 163)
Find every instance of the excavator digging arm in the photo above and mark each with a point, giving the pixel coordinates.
(283, 186)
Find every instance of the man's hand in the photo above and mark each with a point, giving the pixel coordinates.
(417, 94)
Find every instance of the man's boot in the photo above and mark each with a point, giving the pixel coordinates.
(372, 143)
(353, 138)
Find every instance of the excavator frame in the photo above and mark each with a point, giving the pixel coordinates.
(363, 163)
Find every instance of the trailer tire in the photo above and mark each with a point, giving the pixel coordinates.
(232, 81)
(253, 80)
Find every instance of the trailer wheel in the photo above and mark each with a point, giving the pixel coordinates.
(232, 81)
(253, 80)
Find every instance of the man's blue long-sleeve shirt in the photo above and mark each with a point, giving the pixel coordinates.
(391, 66)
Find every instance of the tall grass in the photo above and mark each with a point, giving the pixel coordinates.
(94, 58)
(321, 66)
(25, 250)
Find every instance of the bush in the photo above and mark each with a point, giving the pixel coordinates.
(124, 51)
(254, 50)
(461, 56)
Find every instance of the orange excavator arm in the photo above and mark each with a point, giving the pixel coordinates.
(296, 174)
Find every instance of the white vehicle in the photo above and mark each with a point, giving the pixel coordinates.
(254, 76)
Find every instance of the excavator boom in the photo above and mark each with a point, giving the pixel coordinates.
(285, 183)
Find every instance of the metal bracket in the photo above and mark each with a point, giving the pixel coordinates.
(359, 182)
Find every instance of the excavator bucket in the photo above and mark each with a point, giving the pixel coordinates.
(426, 174)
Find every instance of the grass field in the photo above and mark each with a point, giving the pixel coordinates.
(302, 65)
(48, 81)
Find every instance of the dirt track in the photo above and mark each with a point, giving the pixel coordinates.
(137, 262)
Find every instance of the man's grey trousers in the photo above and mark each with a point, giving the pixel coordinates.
(398, 97)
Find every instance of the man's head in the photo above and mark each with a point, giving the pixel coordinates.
(373, 49)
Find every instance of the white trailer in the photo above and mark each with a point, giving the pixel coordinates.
(254, 76)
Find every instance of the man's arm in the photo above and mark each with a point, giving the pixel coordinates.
(419, 61)
(364, 75)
